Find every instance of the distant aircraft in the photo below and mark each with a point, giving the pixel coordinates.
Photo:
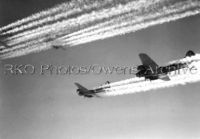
(58, 47)
(56, 44)
(150, 70)
(82, 91)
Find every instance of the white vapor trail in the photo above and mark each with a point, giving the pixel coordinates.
(137, 23)
(53, 14)
(191, 74)
(82, 21)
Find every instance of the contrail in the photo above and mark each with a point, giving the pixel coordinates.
(61, 11)
(191, 74)
(121, 83)
(48, 28)
(134, 24)
(77, 22)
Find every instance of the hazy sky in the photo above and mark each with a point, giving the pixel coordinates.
(47, 107)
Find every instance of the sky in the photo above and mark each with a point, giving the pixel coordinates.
(47, 106)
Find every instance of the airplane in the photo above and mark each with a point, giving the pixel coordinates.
(56, 44)
(82, 91)
(150, 70)
(58, 47)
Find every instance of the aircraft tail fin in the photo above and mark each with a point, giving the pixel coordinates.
(80, 87)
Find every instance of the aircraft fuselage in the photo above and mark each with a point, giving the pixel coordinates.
(159, 72)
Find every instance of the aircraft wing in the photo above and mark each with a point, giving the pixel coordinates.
(81, 87)
(147, 61)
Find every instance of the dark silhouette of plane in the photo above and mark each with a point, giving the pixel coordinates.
(82, 91)
(150, 70)
(57, 44)
(58, 47)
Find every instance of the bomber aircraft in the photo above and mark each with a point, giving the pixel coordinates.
(82, 91)
(150, 70)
